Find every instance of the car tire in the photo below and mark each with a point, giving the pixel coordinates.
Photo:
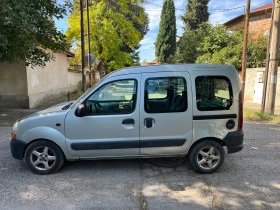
(44, 157)
(206, 156)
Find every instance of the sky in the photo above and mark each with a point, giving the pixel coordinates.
(220, 12)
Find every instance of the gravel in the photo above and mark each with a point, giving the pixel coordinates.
(248, 180)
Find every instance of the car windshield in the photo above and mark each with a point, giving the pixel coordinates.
(85, 93)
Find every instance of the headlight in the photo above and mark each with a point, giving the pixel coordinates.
(13, 135)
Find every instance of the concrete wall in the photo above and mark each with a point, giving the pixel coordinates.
(252, 84)
(50, 82)
(74, 77)
(13, 85)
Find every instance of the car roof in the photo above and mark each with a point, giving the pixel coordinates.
(169, 68)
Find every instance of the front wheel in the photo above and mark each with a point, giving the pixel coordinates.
(206, 156)
(44, 157)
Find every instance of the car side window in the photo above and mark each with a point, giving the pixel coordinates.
(117, 97)
(165, 94)
(213, 93)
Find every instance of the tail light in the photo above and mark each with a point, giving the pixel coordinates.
(240, 112)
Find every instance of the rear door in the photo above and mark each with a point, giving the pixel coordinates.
(216, 96)
(165, 113)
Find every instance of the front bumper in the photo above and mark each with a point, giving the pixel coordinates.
(234, 141)
(17, 148)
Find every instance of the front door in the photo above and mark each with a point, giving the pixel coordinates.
(111, 125)
(165, 113)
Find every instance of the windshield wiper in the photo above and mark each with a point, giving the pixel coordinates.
(67, 106)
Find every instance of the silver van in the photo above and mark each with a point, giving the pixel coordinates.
(187, 110)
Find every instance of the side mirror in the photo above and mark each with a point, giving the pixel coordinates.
(80, 111)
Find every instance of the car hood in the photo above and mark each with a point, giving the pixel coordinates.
(55, 108)
(52, 109)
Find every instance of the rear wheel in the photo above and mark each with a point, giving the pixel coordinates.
(206, 156)
(44, 157)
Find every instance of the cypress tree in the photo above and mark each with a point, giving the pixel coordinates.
(166, 39)
(196, 13)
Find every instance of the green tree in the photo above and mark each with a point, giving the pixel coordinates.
(257, 52)
(187, 50)
(166, 38)
(27, 29)
(196, 13)
(135, 58)
(116, 27)
(223, 46)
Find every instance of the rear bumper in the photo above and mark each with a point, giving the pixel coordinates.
(17, 148)
(234, 141)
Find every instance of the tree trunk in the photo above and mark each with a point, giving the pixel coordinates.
(100, 69)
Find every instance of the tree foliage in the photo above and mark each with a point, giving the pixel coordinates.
(257, 50)
(187, 50)
(196, 13)
(27, 29)
(225, 47)
(217, 44)
(221, 46)
(166, 39)
(135, 58)
(116, 28)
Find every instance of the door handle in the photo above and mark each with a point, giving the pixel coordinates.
(149, 122)
(128, 121)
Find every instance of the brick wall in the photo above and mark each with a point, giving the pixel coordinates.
(258, 25)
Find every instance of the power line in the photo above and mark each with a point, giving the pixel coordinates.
(160, 6)
(225, 10)
(211, 11)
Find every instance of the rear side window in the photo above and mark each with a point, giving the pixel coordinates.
(213, 93)
(165, 94)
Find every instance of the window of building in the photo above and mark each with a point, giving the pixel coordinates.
(213, 93)
(117, 97)
(165, 94)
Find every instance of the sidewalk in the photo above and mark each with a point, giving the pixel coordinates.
(256, 106)
(8, 116)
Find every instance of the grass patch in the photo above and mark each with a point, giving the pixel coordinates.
(259, 116)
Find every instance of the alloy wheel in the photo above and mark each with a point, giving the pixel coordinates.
(43, 158)
(208, 158)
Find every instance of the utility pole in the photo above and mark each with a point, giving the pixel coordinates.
(273, 60)
(83, 47)
(244, 51)
(265, 76)
(88, 35)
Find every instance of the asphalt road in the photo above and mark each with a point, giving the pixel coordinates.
(249, 179)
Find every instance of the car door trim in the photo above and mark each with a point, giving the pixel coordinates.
(128, 144)
(162, 143)
(215, 117)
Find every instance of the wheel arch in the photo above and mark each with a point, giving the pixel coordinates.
(46, 133)
(219, 141)
(39, 139)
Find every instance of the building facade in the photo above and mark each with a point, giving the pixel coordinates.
(259, 21)
(24, 87)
